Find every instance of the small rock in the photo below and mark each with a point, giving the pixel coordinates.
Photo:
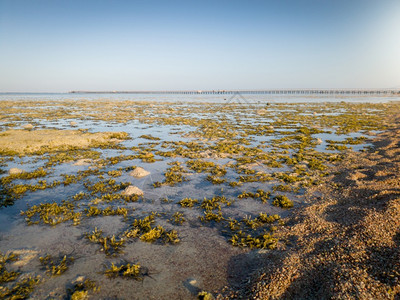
(72, 123)
(28, 126)
(319, 141)
(139, 172)
(132, 190)
(14, 171)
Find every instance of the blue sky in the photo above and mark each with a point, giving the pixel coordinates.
(58, 46)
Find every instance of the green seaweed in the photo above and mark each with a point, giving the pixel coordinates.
(188, 202)
(204, 296)
(146, 232)
(149, 137)
(215, 180)
(127, 271)
(173, 175)
(178, 218)
(24, 176)
(56, 266)
(21, 289)
(282, 201)
(263, 241)
(52, 213)
(94, 211)
(211, 216)
(110, 245)
(5, 275)
(259, 194)
(80, 290)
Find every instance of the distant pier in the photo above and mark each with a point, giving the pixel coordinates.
(258, 92)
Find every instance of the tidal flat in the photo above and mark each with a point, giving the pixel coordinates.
(154, 200)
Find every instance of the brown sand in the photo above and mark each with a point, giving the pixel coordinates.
(346, 243)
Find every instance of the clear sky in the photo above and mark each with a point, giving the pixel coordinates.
(58, 46)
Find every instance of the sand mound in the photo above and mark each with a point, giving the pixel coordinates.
(132, 190)
(49, 140)
(139, 172)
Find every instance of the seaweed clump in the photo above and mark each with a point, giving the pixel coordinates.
(52, 213)
(260, 194)
(254, 232)
(56, 266)
(110, 245)
(94, 211)
(215, 179)
(128, 271)
(5, 275)
(205, 296)
(264, 240)
(149, 137)
(81, 289)
(105, 187)
(178, 218)
(24, 175)
(188, 202)
(21, 289)
(282, 201)
(144, 229)
(209, 205)
(173, 175)
(18, 290)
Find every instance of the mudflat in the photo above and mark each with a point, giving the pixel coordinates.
(193, 200)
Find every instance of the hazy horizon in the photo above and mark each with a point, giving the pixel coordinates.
(61, 46)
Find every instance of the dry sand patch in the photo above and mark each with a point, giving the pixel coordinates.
(27, 142)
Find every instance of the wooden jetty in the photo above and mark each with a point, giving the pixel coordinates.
(258, 92)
